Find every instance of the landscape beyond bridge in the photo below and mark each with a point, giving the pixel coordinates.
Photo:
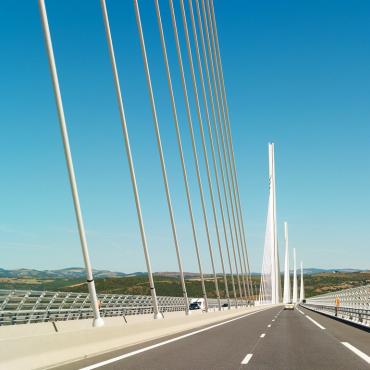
(42, 329)
(237, 327)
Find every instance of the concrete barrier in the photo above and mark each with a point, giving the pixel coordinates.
(39, 346)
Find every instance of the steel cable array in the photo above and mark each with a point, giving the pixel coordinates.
(218, 126)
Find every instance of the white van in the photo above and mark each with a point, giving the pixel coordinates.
(197, 304)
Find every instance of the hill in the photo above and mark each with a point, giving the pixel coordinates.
(332, 281)
(79, 273)
(167, 283)
(71, 273)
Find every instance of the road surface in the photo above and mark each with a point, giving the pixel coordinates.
(274, 339)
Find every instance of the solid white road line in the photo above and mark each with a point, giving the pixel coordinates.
(359, 353)
(247, 358)
(301, 311)
(315, 322)
(262, 335)
(160, 344)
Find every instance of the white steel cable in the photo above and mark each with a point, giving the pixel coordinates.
(179, 143)
(242, 244)
(200, 69)
(216, 133)
(224, 154)
(230, 136)
(217, 139)
(243, 260)
(217, 142)
(129, 158)
(200, 121)
(190, 123)
(231, 143)
(160, 151)
(98, 321)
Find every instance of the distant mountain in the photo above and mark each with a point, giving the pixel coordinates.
(79, 273)
(188, 275)
(67, 273)
(312, 271)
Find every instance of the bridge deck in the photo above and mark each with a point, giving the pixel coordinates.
(291, 341)
(35, 346)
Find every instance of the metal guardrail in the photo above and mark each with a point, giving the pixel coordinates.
(27, 306)
(357, 316)
(353, 305)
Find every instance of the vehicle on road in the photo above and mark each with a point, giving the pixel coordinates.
(197, 304)
(289, 306)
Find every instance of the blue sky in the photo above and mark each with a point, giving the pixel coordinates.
(297, 73)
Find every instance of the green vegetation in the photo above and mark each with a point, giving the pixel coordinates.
(165, 286)
(330, 282)
(170, 286)
(27, 283)
(136, 285)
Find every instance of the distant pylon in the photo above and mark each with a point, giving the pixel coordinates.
(301, 292)
(286, 298)
(276, 288)
(295, 287)
(270, 276)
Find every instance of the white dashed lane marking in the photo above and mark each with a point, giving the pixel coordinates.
(359, 353)
(315, 322)
(165, 342)
(247, 358)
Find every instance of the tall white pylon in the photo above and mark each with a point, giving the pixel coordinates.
(286, 298)
(301, 292)
(295, 287)
(270, 276)
(276, 288)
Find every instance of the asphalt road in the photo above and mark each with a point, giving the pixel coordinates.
(273, 339)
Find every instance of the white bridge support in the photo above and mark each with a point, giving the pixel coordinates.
(270, 276)
(286, 296)
(301, 291)
(295, 283)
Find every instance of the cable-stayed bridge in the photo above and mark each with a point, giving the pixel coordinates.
(237, 327)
